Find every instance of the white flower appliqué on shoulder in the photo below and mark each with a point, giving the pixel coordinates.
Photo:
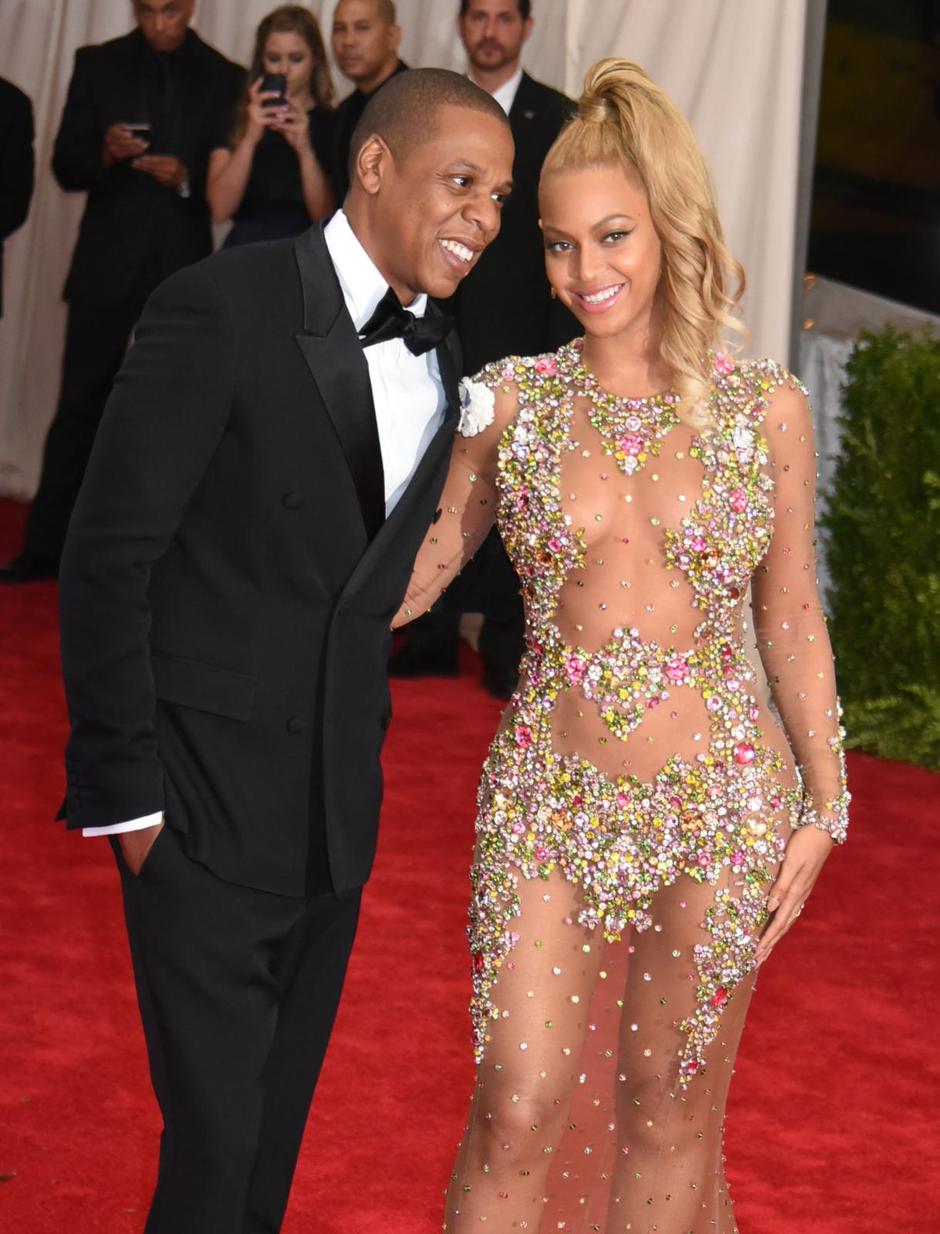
(476, 407)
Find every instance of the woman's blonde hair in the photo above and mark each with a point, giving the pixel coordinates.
(624, 117)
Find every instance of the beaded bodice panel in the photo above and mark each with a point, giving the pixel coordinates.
(635, 539)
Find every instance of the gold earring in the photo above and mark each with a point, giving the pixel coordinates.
(554, 293)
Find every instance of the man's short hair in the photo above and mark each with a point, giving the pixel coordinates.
(385, 11)
(525, 8)
(403, 111)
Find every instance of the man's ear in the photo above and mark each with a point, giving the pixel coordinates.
(527, 28)
(394, 39)
(373, 163)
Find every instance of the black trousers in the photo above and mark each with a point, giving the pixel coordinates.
(96, 339)
(238, 991)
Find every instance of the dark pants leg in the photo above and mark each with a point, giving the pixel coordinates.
(503, 633)
(95, 343)
(431, 643)
(238, 990)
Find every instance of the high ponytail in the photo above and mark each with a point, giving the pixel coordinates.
(624, 117)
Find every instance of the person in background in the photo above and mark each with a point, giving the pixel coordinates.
(504, 307)
(139, 120)
(366, 36)
(16, 163)
(270, 171)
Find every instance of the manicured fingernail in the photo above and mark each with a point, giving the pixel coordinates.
(773, 904)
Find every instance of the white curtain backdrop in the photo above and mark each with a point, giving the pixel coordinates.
(734, 66)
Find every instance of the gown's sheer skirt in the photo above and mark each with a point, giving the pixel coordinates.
(636, 802)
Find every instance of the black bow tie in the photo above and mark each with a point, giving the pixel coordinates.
(390, 321)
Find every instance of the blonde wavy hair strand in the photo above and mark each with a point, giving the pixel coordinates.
(624, 118)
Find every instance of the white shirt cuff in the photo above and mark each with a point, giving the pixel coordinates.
(115, 829)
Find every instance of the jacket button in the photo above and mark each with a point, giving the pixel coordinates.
(292, 501)
(296, 724)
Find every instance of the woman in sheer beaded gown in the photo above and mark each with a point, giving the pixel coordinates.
(648, 826)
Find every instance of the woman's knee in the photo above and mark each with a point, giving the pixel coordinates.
(523, 1128)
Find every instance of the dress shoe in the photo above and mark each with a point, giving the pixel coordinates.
(28, 568)
(500, 682)
(406, 663)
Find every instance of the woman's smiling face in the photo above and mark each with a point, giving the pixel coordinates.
(602, 254)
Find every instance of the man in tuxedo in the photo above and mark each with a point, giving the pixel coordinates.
(365, 40)
(268, 463)
(503, 308)
(141, 115)
(16, 163)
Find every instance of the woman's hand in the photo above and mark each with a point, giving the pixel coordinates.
(260, 117)
(294, 125)
(806, 855)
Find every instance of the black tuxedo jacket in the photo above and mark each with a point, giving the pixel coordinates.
(16, 163)
(132, 225)
(225, 607)
(504, 306)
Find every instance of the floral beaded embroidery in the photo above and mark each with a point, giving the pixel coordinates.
(621, 840)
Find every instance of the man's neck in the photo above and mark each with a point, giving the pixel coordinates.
(491, 81)
(357, 216)
(371, 84)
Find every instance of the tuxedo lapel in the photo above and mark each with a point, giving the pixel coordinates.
(334, 355)
(431, 462)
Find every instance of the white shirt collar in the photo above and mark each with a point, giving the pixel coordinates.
(506, 94)
(359, 278)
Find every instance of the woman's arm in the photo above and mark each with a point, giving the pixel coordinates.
(318, 196)
(794, 646)
(468, 503)
(229, 169)
(788, 619)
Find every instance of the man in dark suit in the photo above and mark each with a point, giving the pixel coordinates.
(141, 115)
(16, 163)
(365, 39)
(503, 308)
(268, 463)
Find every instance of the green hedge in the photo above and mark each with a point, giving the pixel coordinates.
(882, 541)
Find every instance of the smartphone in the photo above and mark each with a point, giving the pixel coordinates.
(138, 128)
(278, 83)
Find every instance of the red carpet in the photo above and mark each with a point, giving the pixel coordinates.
(833, 1126)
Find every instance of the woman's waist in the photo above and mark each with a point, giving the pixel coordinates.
(630, 658)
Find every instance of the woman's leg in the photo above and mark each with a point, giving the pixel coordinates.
(530, 1065)
(669, 1174)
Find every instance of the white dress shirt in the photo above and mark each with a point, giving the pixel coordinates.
(506, 94)
(407, 392)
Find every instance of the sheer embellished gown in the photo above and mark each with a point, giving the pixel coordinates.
(637, 799)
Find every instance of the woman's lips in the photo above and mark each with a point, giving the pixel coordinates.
(601, 299)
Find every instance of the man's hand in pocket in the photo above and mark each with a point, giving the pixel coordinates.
(136, 845)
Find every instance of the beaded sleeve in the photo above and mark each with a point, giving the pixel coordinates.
(468, 502)
(788, 619)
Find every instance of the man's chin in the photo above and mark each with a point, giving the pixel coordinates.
(442, 287)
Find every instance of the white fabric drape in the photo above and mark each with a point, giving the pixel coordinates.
(734, 66)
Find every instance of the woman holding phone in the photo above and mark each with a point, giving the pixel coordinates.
(270, 171)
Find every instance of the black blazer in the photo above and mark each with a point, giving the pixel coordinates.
(225, 613)
(16, 163)
(132, 224)
(504, 305)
